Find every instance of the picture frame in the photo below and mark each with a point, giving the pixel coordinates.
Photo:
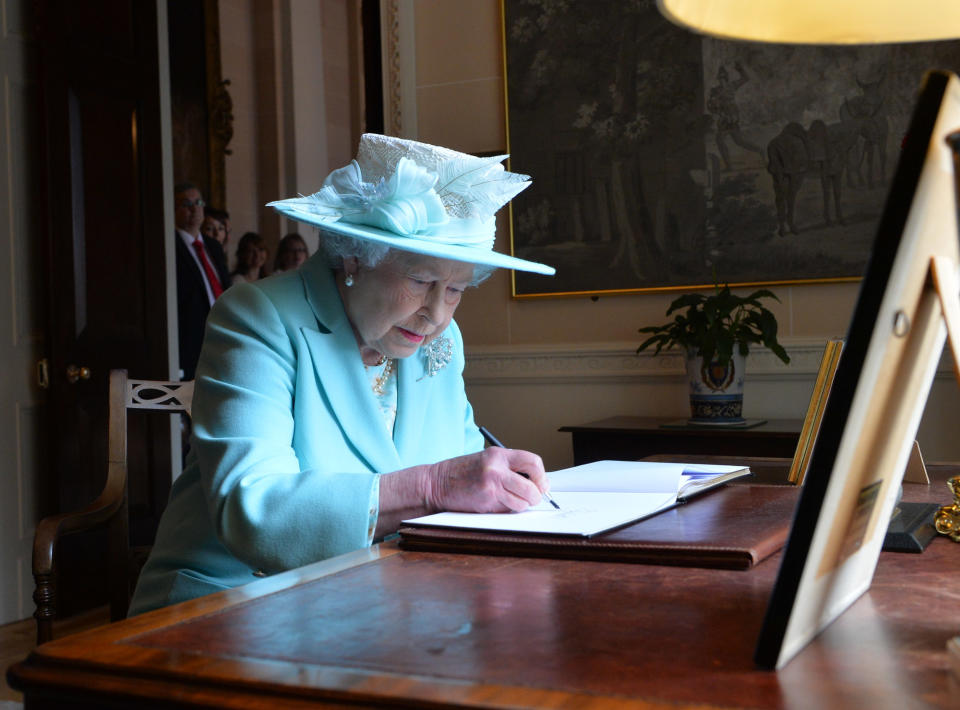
(814, 416)
(663, 160)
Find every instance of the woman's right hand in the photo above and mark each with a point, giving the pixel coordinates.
(494, 480)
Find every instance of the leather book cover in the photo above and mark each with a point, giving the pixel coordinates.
(734, 527)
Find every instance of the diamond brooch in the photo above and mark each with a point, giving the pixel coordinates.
(438, 354)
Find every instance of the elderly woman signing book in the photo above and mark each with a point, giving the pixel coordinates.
(330, 402)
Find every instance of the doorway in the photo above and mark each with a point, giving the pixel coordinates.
(102, 189)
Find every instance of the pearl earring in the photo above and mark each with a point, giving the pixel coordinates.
(348, 280)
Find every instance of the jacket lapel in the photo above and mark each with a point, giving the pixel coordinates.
(414, 391)
(340, 377)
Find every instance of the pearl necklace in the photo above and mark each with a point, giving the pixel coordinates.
(382, 379)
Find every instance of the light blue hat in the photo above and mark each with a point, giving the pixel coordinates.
(416, 197)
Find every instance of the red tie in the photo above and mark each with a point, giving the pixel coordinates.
(208, 268)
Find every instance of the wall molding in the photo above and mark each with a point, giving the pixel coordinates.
(618, 362)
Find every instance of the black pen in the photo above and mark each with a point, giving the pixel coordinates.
(496, 442)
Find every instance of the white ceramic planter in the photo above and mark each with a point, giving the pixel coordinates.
(716, 393)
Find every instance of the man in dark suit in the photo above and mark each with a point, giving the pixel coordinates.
(202, 274)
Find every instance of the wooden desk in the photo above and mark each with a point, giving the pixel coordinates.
(408, 629)
(631, 438)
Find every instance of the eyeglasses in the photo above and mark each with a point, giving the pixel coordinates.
(190, 203)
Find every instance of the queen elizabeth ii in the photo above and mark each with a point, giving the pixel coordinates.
(329, 401)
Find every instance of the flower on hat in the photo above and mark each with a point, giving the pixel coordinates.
(405, 203)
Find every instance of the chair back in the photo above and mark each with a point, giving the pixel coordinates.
(110, 508)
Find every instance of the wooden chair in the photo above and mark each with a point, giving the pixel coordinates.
(110, 507)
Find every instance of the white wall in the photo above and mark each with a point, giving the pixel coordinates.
(291, 66)
(236, 64)
(528, 392)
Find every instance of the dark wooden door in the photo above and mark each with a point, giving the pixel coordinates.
(105, 237)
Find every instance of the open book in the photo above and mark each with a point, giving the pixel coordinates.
(599, 496)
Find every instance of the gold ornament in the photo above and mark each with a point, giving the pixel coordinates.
(947, 520)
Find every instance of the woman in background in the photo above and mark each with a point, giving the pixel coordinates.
(291, 252)
(251, 257)
(214, 227)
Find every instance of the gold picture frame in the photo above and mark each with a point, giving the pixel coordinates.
(814, 415)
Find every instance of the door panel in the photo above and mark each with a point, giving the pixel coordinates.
(100, 79)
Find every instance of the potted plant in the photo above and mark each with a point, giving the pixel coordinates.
(716, 331)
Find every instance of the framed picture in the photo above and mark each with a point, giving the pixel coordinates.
(814, 416)
(662, 160)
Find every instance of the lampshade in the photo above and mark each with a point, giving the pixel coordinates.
(818, 21)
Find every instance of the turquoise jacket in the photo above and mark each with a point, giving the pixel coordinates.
(288, 440)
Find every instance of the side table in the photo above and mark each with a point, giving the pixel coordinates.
(631, 438)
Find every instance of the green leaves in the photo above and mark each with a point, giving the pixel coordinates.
(712, 326)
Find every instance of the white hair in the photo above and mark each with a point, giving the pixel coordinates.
(337, 247)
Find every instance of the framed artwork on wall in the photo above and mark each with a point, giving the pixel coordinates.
(662, 160)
